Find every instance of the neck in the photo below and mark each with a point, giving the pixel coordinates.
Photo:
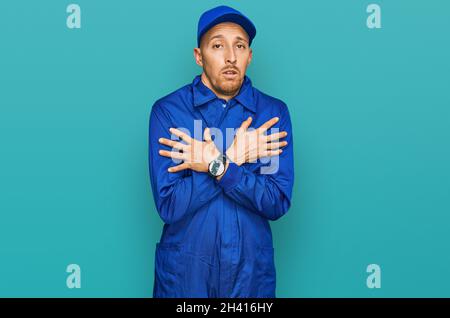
(207, 83)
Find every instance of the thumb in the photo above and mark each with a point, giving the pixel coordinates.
(246, 123)
(207, 134)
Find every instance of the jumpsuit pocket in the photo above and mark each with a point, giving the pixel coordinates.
(168, 271)
(266, 274)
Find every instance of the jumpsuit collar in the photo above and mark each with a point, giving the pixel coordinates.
(202, 94)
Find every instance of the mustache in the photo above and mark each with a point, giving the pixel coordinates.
(230, 69)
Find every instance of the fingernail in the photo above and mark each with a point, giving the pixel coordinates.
(160, 139)
(277, 119)
(169, 169)
(170, 129)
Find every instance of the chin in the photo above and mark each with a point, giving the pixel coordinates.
(231, 87)
(230, 90)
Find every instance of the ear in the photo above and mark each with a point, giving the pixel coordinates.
(198, 56)
(250, 56)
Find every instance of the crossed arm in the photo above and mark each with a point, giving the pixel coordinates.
(178, 194)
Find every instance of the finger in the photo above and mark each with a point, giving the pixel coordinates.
(172, 154)
(207, 134)
(270, 153)
(181, 134)
(172, 143)
(276, 136)
(183, 166)
(276, 145)
(246, 123)
(268, 124)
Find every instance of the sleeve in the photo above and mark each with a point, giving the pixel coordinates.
(178, 194)
(269, 194)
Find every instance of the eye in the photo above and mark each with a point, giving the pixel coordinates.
(241, 46)
(217, 46)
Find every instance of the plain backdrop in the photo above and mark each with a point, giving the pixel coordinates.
(371, 121)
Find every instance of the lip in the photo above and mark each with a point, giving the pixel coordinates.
(230, 70)
(230, 73)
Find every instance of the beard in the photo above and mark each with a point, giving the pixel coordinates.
(227, 87)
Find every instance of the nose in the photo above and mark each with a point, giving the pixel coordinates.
(230, 57)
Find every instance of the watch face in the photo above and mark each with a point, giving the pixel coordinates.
(217, 168)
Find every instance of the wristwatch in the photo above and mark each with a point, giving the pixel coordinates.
(217, 166)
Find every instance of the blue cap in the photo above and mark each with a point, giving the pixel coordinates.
(224, 14)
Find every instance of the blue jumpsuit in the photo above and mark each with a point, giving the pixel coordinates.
(216, 240)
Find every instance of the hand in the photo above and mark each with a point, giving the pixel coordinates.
(196, 154)
(250, 145)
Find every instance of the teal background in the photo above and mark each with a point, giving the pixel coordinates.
(370, 112)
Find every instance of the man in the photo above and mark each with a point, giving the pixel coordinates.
(216, 197)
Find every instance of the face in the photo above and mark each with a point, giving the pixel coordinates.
(224, 55)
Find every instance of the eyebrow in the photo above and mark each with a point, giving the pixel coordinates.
(221, 36)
